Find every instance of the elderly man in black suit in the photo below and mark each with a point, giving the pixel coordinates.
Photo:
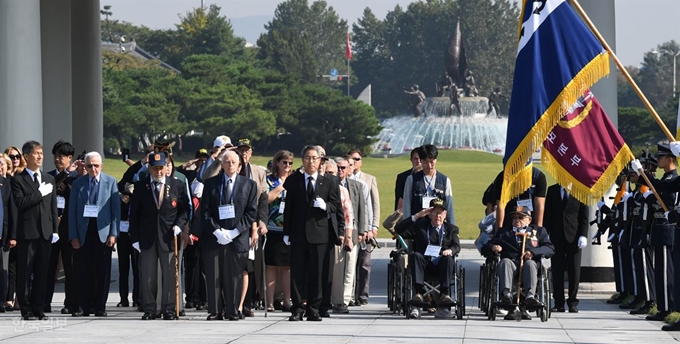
(229, 207)
(436, 243)
(311, 198)
(566, 220)
(35, 232)
(159, 210)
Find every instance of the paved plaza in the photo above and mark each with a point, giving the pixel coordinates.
(597, 322)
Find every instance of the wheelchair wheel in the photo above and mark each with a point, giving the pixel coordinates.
(482, 288)
(406, 293)
(549, 288)
(463, 289)
(390, 286)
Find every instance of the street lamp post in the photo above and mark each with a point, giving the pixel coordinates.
(675, 58)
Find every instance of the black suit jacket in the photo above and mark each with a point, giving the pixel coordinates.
(399, 186)
(564, 220)
(37, 215)
(537, 242)
(9, 211)
(418, 232)
(64, 181)
(245, 209)
(302, 222)
(148, 224)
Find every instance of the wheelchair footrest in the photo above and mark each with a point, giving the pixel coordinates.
(432, 304)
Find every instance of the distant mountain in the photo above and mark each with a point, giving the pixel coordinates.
(251, 27)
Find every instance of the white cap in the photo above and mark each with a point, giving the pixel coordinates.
(222, 141)
(197, 188)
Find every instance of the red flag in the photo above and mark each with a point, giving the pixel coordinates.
(584, 152)
(348, 49)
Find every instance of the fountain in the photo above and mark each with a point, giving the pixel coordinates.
(438, 124)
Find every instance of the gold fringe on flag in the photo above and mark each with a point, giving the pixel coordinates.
(515, 179)
(583, 193)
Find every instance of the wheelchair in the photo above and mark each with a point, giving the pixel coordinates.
(400, 289)
(492, 293)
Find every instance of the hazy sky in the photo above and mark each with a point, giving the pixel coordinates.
(640, 25)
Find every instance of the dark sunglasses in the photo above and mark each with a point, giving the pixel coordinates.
(287, 163)
(519, 217)
(342, 167)
(92, 165)
(15, 157)
(357, 159)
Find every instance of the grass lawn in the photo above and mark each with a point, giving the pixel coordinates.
(470, 173)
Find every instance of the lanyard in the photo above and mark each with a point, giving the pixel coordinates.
(429, 183)
(441, 235)
(224, 183)
(161, 194)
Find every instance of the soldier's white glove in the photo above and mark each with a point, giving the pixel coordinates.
(320, 203)
(55, 237)
(582, 242)
(286, 240)
(221, 236)
(136, 247)
(45, 189)
(675, 148)
(636, 165)
(231, 234)
(176, 230)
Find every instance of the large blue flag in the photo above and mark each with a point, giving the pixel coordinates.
(558, 58)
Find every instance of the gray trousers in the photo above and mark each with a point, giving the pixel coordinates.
(363, 273)
(507, 269)
(224, 274)
(149, 260)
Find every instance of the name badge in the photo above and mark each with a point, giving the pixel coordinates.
(91, 210)
(61, 202)
(526, 203)
(426, 201)
(227, 212)
(282, 206)
(251, 254)
(124, 226)
(433, 250)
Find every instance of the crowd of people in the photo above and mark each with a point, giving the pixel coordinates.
(229, 236)
(225, 235)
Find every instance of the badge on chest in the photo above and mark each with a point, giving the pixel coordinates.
(227, 212)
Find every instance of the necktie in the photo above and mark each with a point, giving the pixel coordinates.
(94, 191)
(310, 189)
(434, 236)
(35, 179)
(229, 189)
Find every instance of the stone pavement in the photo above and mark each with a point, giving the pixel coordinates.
(597, 322)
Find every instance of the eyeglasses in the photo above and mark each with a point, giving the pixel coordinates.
(15, 157)
(93, 165)
(287, 163)
(312, 158)
(518, 217)
(357, 159)
(342, 167)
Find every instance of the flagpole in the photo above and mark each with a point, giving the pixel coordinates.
(348, 74)
(625, 73)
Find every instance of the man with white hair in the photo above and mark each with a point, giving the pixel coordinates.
(94, 220)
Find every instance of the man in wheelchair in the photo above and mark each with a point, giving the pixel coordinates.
(435, 246)
(508, 243)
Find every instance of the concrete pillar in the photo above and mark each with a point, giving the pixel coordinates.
(20, 73)
(86, 71)
(596, 262)
(55, 27)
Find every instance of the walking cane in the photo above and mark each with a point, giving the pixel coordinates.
(264, 277)
(517, 313)
(176, 281)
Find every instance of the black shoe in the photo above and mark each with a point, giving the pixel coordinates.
(363, 302)
(65, 310)
(47, 309)
(135, 304)
(314, 317)
(618, 299)
(351, 303)
(9, 308)
(324, 314)
(295, 317)
(417, 298)
(148, 316)
(558, 309)
(573, 309)
(645, 309)
(510, 316)
(240, 315)
(233, 317)
(189, 305)
(672, 327)
(659, 316)
(100, 314)
(123, 303)
(30, 316)
(168, 316)
(2, 309)
(214, 316)
(525, 315)
(248, 313)
(340, 309)
(182, 313)
(629, 305)
(80, 313)
(445, 301)
(533, 304)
